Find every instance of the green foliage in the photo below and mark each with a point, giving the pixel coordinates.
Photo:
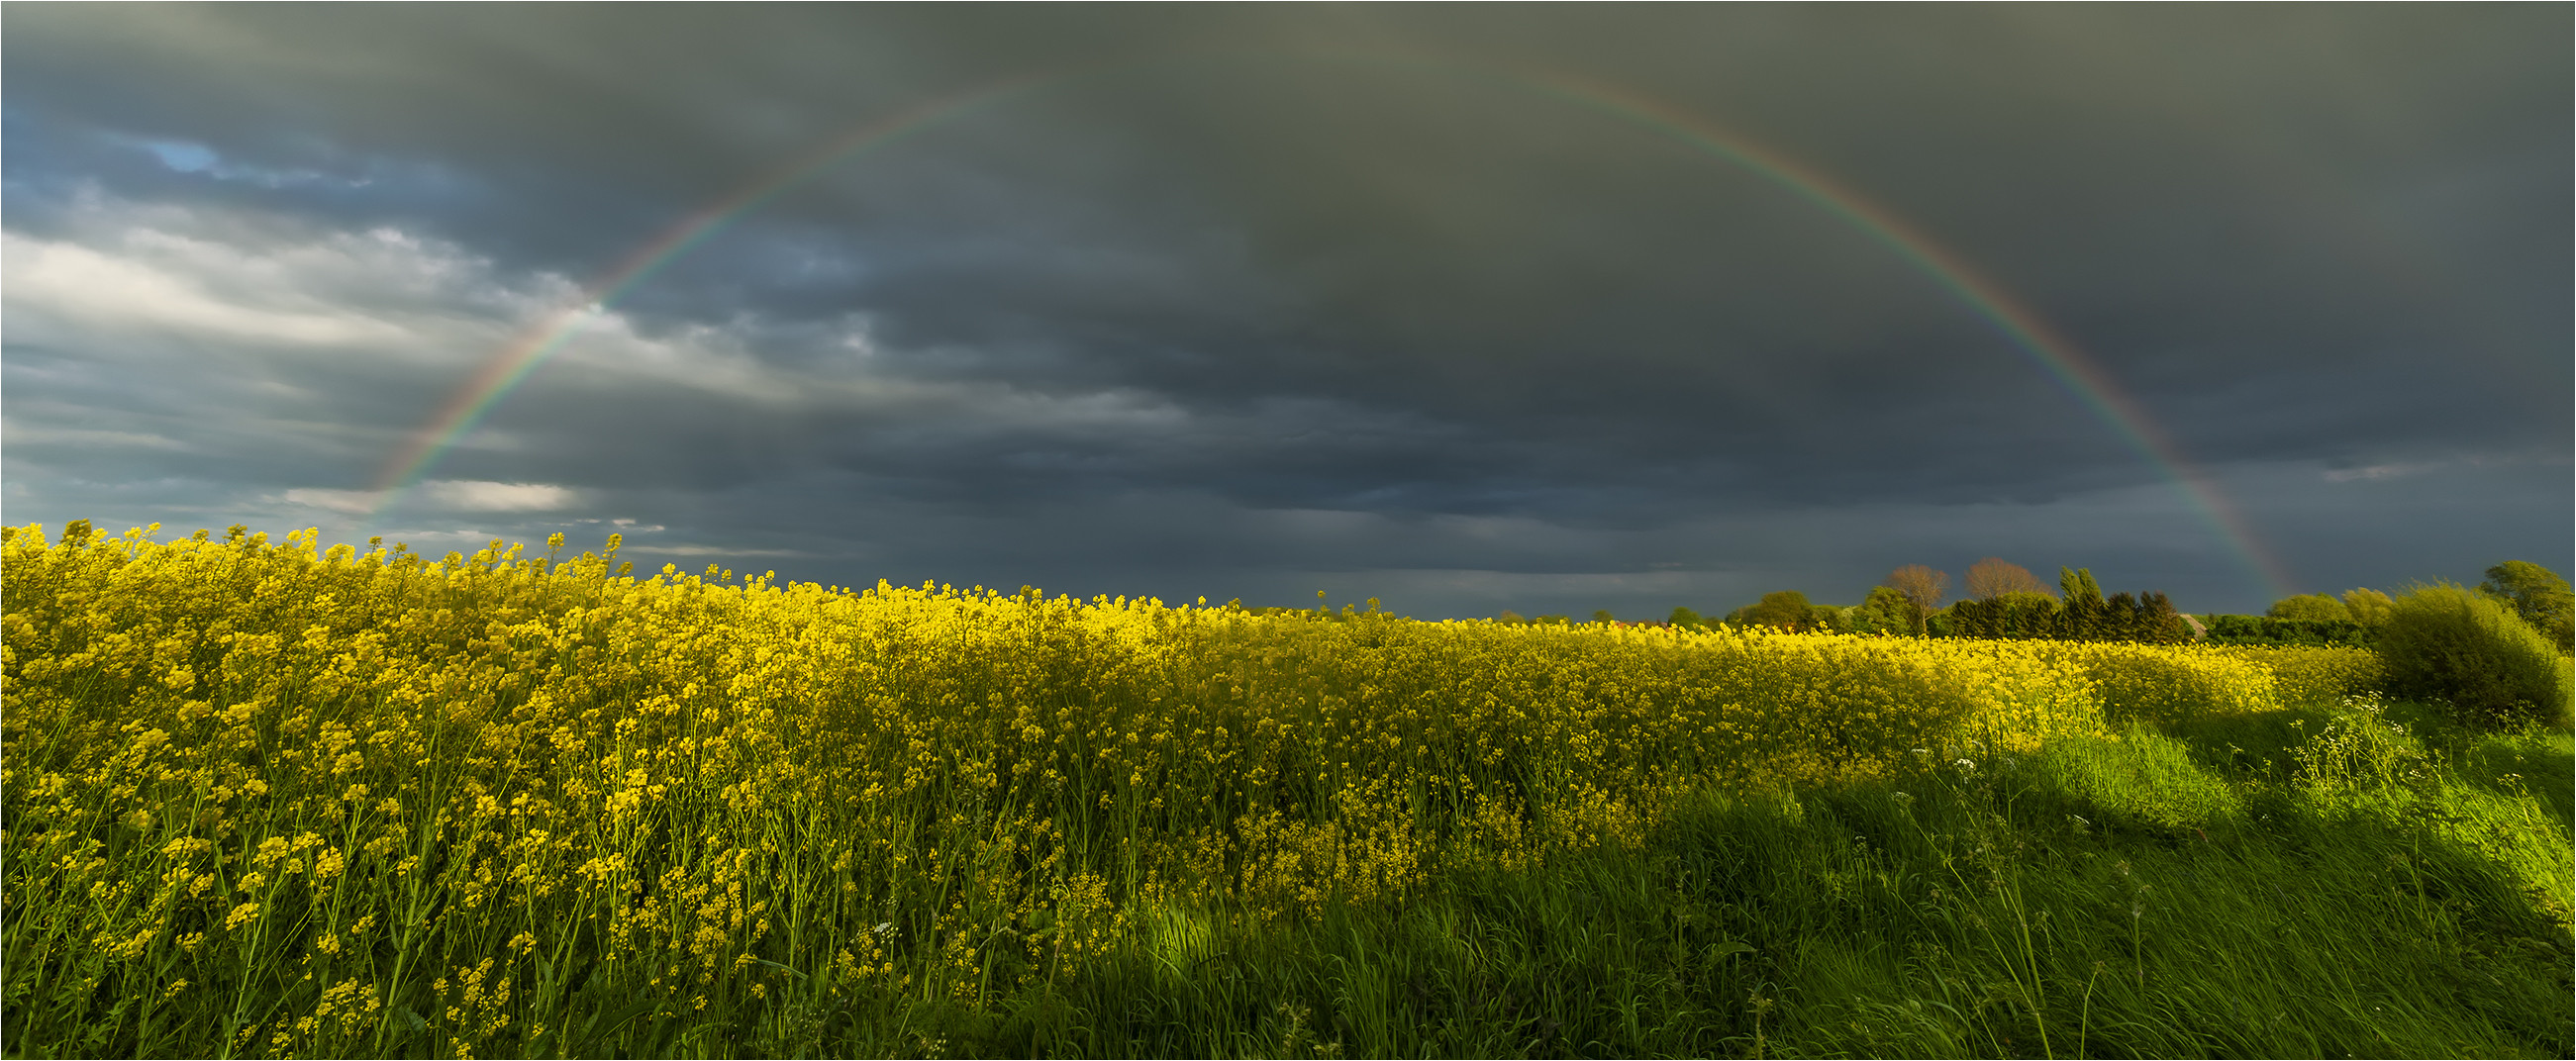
(2311, 607)
(2369, 607)
(1687, 619)
(1887, 611)
(1787, 609)
(2008, 616)
(1603, 616)
(2076, 585)
(2097, 898)
(1510, 618)
(2083, 615)
(2146, 619)
(2080, 608)
(2469, 649)
(2538, 595)
(2265, 630)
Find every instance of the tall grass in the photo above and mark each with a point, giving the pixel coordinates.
(265, 799)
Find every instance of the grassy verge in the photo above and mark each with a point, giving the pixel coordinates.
(2155, 896)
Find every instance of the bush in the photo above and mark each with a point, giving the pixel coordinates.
(2313, 607)
(2449, 643)
(2369, 607)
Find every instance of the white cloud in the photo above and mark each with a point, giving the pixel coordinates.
(72, 436)
(453, 495)
(2374, 472)
(119, 270)
(709, 550)
(128, 293)
(479, 496)
(352, 502)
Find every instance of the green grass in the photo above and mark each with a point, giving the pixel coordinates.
(2156, 896)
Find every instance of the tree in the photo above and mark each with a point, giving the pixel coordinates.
(1510, 617)
(1923, 589)
(2159, 623)
(1687, 619)
(1787, 610)
(2009, 615)
(1602, 616)
(1829, 617)
(2082, 614)
(2538, 595)
(2310, 607)
(2145, 617)
(1887, 611)
(1992, 577)
(2369, 607)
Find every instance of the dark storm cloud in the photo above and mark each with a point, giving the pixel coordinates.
(1263, 300)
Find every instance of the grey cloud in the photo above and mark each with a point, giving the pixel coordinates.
(1239, 267)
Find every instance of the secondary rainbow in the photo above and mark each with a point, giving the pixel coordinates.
(2027, 332)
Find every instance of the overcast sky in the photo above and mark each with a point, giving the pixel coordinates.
(1547, 308)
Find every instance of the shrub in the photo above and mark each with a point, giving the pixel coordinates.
(2446, 642)
(2369, 607)
(2313, 607)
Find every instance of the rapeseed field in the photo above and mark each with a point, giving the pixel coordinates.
(264, 798)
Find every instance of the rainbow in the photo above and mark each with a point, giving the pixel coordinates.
(2026, 331)
(511, 365)
(2042, 344)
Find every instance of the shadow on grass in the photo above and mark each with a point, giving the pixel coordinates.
(2095, 898)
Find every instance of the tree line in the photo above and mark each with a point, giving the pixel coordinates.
(2005, 600)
